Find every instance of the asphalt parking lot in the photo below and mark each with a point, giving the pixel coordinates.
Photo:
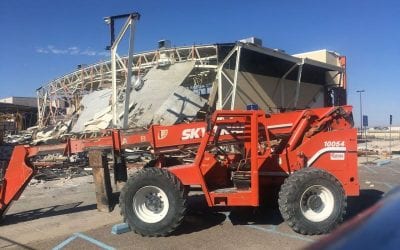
(203, 228)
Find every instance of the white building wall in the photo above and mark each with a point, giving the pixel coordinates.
(26, 101)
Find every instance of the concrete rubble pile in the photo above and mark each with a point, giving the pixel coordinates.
(46, 174)
(22, 138)
(160, 99)
(62, 167)
(156, 98)
(95, 112)
(51, 133)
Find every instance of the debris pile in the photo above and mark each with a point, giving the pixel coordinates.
(158, 97)
(95, 112)
(51, 133)
(162, 99)
(46, 174)
(24, 137)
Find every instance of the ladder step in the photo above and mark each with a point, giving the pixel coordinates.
(225, 190)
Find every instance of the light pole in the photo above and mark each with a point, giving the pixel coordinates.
(390, 135)
(361, 113)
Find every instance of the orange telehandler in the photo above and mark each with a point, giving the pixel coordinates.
(237, 158)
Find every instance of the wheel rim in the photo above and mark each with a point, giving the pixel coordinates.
(150, 204)
(317, 203)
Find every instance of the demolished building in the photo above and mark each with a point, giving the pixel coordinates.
(182, 84)
(171, 85)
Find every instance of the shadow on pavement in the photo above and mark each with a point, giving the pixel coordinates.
(196, 221)
(201, 217)
(14, 244)
(264, 215)
(267, 214)
(46, 212)
(367, 198)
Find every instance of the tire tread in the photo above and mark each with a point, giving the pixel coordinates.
(179, 192)
(287, 200)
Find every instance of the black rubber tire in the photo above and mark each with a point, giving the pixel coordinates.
(168, 163)
(150, 164)
(174, 191)
(290, 195)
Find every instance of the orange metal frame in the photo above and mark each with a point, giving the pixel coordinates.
(323, 138)
(333, 149)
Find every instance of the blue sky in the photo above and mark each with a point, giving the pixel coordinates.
(44, 39)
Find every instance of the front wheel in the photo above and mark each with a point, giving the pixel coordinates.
(312, 201)
(153, 202)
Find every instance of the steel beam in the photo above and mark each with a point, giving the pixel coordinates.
(129, 76)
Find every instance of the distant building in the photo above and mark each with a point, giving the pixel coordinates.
(16, 117)
(24, 101)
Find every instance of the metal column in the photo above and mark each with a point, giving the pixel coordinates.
(130, 22)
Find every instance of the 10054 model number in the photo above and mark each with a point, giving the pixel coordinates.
(334, 144)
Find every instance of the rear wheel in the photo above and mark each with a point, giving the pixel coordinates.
(312, 201)
(153, 202)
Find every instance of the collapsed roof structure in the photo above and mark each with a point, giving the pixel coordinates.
(171, 85)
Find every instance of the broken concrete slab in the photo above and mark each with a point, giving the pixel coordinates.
(92, 110)
(51, 133)
(160, 99)
(159, 85)
(182, 105)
